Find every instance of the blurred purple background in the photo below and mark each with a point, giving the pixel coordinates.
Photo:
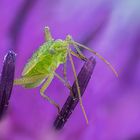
(112, 28)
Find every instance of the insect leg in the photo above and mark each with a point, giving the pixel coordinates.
(98, 55)
(78, 56)
(78, 88)
(44, 87)
(65, 70)
(28, 80)
(82, 56)
(48, 35)
(65, 76)
(66, 83)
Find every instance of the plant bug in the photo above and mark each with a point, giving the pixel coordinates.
(44, 62)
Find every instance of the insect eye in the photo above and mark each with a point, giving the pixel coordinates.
(52, 51)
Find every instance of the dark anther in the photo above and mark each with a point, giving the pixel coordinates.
(6, 81)
(71, 102)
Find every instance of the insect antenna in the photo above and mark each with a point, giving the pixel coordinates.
(97, 54)
(78, 88)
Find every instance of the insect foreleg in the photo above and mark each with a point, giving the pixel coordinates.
(48, 35)
(78, 88)
(98, 55)
(78, 56)
(44, 87)
(82, 56)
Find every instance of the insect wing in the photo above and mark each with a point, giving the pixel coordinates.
(37, 56)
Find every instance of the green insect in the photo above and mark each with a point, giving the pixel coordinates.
(41, 68)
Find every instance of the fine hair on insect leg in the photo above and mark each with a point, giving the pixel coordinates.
(78, 88)
(76, 45)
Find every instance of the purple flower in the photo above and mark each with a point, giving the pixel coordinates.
(112, 105)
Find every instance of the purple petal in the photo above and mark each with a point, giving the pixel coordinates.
(71, 102)
(6, 81)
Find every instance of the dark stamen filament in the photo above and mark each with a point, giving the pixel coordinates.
(6, 81)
